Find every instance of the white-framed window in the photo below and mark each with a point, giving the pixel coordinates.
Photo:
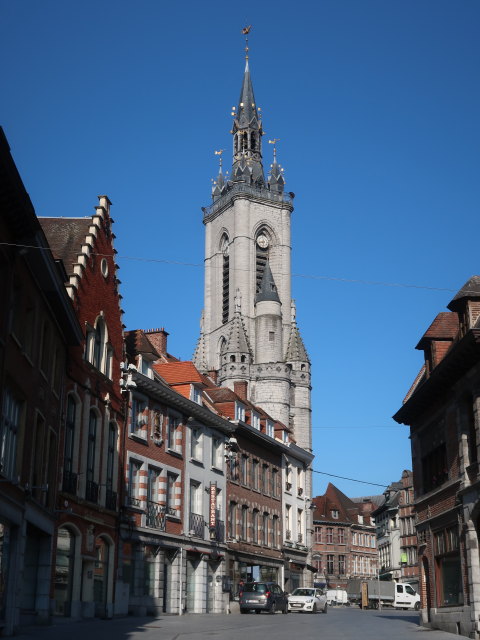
(195, 394)
(171, 502)
(255, 467)
(239, 411)
(173, 432)
(285, 435)
(195, 443)
(335, 514)
(133, 494)
(255, 420)
(299, 481)
(139, 416)
(288, 522)
(270, 429)
(217, 453)
(145, 367)
(9, 426)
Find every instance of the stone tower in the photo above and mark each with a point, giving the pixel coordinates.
(248, 327)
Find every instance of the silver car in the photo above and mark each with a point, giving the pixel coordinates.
(307, 599)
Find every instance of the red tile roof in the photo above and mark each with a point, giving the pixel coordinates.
(176, 373)
(444, 327)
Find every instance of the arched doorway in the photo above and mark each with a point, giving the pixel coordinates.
(64, 572)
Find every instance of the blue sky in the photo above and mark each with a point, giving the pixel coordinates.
(376, 104)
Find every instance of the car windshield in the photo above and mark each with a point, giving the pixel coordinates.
(253, 587)
(304, 592)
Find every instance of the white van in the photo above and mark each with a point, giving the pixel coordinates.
(336, 597)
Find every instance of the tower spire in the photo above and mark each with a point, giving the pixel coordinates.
(247, 132)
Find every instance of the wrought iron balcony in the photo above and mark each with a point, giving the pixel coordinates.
(70, 482)
(111, 500)
(197, 525)
(132, 501)
(155, 515)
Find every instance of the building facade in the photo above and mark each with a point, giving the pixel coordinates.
(37, 328)
(442, 410)
(344, 543)
(92, 424)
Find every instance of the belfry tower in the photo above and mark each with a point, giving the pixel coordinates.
(248, 327)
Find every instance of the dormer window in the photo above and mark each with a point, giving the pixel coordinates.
(239, 412)
(285, 436)
(195, 394)
(270, 429)
(335, 514)
(255, 421)
(145, 367)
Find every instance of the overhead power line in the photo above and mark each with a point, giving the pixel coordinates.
(377, 283)
(332, 475)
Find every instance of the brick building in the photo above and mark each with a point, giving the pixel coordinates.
(442, 410)
(409, 570)
(344, 541)
(37, 328)
(85, 550)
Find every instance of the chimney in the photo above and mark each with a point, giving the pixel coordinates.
(240, 388)
(158, 337)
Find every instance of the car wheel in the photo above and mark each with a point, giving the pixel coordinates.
(324, 610)
(243, 610)
(285, 610)
(417, 606)
(258, 611)
(314, 610)
(273, 608)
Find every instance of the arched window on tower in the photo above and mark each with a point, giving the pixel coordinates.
(261, 249)
(225, 279)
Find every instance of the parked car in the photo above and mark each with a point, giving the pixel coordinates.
(307, 599)
(262, 596)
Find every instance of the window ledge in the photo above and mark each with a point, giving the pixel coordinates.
(175, 453)
(216, 469)
(138, 438)
(194, 461)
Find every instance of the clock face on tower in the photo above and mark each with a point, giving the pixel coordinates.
(262, 241)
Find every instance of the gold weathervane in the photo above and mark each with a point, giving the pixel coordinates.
(246, 31)
(274, 142)
(219, 153)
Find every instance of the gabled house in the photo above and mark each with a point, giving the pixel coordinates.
(85, 549)
(442, 409)
(344, 542)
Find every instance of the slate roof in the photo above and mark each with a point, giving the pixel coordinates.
(296, 351)
(237, 340)
(268, 288)
(66, 237)
(471, 289)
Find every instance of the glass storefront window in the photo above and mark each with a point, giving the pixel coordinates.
(63, 572)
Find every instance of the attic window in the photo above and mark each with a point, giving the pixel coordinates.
(335, 514)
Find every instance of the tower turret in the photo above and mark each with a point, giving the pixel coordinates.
(247, 136)
(268, 320)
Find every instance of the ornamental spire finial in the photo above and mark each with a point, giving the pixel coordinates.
(246, 31)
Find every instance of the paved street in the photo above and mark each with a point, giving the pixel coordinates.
(339, 624)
